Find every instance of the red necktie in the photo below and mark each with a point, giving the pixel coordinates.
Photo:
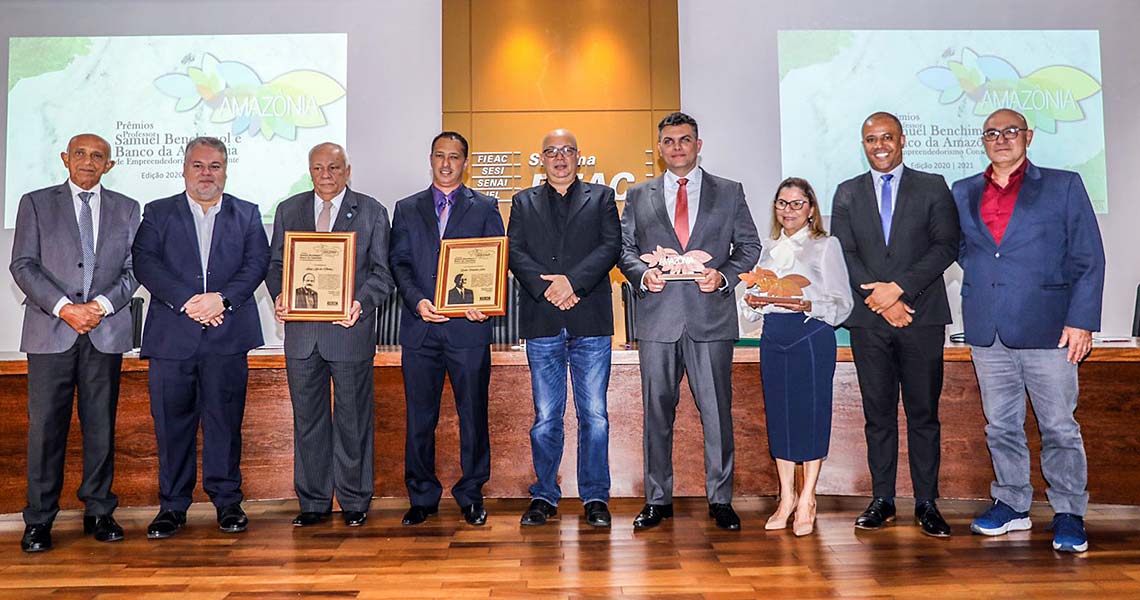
(681, 213)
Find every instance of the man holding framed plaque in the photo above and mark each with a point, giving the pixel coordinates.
(330, 246)
(565, 237)
(432, 228)
(686, 326)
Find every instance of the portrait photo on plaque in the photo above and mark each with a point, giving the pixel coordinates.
(318, 276)
(472, 274)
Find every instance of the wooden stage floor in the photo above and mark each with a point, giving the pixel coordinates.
(685, 558)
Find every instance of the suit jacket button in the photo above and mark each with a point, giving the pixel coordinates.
(80, 265)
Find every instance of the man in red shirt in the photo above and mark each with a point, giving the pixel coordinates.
(1033, 275)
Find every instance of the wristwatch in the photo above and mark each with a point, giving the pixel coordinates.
(225, 302)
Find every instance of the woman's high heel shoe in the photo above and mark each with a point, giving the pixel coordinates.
(803, 527)
(778, 521)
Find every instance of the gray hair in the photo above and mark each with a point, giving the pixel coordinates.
(343, 152)
(209, 142)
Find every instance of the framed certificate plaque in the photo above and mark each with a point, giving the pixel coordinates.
(472, 274)
(318, 275)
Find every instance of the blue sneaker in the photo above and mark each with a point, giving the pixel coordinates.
(1069, 533)
(1001, 519)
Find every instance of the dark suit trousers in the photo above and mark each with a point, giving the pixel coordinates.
(333, 443)
(910, 359)
(206, 389)
(54, 380)
(709, 368)
(470, 372)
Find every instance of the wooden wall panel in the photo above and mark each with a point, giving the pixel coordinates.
(1109, 414)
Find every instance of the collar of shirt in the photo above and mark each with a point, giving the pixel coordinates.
(786, 248)
(1014, 177)
(437, 195)
(318, 202)
(197, 210)
(877, 183)
(556, 195)
(693, 187)
(94, 203)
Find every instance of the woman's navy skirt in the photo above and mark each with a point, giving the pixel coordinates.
(797, 365)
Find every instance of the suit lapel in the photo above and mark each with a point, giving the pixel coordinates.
(977, 187)
(870, 209)
(347, 212)
(187, 219)
(425, 206)
(107, 206)
(223, 223)
(542, 208)
(903, 201)
(66, 207)
(657, 198)
(578, 201)
(1027, 197)
(705, 205)
(306, 220)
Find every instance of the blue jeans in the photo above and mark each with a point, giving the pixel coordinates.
(1004, 375)
(589, 360)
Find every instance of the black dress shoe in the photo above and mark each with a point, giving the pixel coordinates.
(927, 516)
(651, 515)
(37, 538)
(232, 519)
(598, 514)
(419, 514)
(165, 524)
(104, 527)
(354, 518)
(310, 518)
(475, 514)
(538, 512)
(880, 512)
(726, 518)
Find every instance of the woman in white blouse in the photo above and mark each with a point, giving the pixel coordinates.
(797, 346)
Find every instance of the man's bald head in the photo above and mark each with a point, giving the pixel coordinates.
(559, 137)
(88, 158)
(1006, 112)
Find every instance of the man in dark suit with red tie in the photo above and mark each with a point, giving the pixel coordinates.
(434, 345)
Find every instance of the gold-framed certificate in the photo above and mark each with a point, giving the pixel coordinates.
(472, 274)
(318, 277)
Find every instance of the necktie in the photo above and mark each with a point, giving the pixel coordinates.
(885, 207)
(441, 207)
(325, 218)
(87, 240)
(681, 213)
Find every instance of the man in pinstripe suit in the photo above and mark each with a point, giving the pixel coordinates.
(333, 443)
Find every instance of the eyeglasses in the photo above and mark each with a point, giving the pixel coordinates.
(1009, 133)
(552, 151)
(782, 204)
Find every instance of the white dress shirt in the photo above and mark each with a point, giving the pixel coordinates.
(820, 260)
(318, 202)
(204, 227)
(94, 203)
(693, 187)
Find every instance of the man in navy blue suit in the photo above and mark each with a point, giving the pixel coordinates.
(201, 254)
(1033, 275)
(433, 344)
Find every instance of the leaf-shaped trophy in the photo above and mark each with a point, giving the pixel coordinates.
(676, 266)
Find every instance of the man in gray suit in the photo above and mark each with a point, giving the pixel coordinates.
(333, 443)
(72, 258)
(687, 326)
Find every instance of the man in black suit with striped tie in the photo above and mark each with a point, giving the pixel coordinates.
(333, 442)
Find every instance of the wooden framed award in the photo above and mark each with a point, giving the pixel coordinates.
(472, 273)
(318, 275)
